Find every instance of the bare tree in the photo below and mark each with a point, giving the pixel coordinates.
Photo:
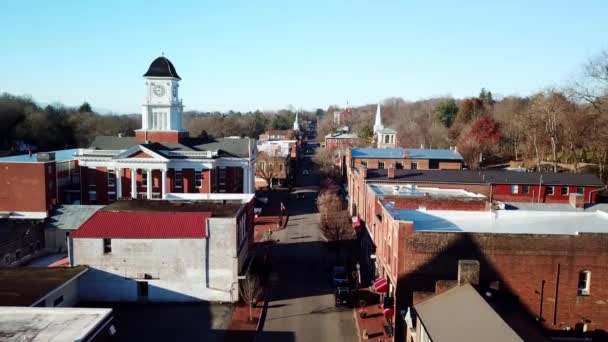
(326, 160)
(335, 225)
(251, 290)
(266, 167)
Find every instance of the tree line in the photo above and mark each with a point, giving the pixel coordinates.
(553, 129)
(52, 127)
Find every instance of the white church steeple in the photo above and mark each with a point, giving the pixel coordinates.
(296, 123)
(378, 123)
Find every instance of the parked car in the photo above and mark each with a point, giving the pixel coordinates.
(300, 195)
(342, 296)
(339, 277)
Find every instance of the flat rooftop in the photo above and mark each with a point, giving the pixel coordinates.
(411, 190)
(27, 285)
(61, 155)
(484, 177)
(503, 221)
(227, 208)
(49, 324)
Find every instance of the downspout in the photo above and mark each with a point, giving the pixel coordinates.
(596, 190)
(556, 295)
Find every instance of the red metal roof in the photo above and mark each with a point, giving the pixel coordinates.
(144, 225)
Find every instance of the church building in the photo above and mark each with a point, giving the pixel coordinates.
(162, 158)
(386, 137)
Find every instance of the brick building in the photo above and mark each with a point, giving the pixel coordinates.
(33, 184)
(575, 190)
(547, 260)
(276, 159)
(341, 140)
(404, 158)
(278, 134)
(161, 158)
(191, 247)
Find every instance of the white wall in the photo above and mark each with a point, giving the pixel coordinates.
(69, 291)
(182, 269)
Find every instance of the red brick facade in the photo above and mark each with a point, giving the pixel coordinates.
(523, 265)
(159, 136)
(27, 187)
(96, 181)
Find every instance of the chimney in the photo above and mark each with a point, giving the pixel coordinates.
(468, 272)
(391, 173)
(363, 171)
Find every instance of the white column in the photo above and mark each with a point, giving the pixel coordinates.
(245, 179)
(133, 183)
(117, 172)
(252, 178)
(149, 184)
(163, 184)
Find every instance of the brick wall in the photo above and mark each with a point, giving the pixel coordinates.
(27, 186)
(520, 263)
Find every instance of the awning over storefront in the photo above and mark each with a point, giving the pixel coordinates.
(356, 223)
(381, 286)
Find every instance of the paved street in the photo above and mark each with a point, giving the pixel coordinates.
(302, 300)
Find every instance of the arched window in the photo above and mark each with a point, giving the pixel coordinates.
(584, 283)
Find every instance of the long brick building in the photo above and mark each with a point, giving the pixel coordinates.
(161, 158)
(549, 254)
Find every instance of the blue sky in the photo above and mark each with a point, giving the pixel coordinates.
(247, 55)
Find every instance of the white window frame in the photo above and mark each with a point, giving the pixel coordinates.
(584, 290)
(221, 176)
(178, 179)
(561, 190)
(525, 189)
(198, 179)
(550, 190)
(380, 168)
(414, 165)
(582, 188)
(93, 196)
(111, 178)
(144, 179)
(514, 189)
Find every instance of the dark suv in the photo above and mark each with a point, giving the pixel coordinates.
(342, 295)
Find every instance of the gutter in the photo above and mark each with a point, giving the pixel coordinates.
(596, 190)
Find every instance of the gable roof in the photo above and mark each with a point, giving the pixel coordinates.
(397, 153)
(225, 147)
(460, 314)
(70, 216)
(144, 225)
(485, 177)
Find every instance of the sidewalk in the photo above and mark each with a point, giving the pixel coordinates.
(241, 329)
(374, 322)
(270, 218)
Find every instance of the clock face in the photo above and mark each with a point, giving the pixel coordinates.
(158, 90)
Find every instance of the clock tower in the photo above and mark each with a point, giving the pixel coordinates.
(162, 111)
